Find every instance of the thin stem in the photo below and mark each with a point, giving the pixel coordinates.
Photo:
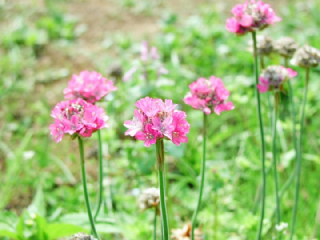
(155, 224)
(261, 62)
(163, 207)
(85, 189)
(274, 154)
(299, 153)
(202, 175)
(262, 156)
(100, 198)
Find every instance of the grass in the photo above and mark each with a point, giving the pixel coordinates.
(191, 47)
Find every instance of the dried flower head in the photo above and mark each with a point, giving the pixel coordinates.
(206, 95)
(306, 57)
(273, 78)
(250, 17)
(82, 236)
(155, 119)
(285, 47)
(264, 45)
(76, 117)
(90, 86)
(185, 233)
(149, 198)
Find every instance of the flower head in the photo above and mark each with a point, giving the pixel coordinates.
(149, 198)
(306, 57)
(264, 45)
(285, 47)
(273, 78)
(90, 86)
(250, 17)
(207, 95)
(82, 236)
(185, 233)
(155, 119)
(76, 117)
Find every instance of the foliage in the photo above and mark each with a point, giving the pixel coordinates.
(190, 47)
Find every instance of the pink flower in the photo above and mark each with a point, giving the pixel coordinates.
(155, 119)
(148, 106)
(273, 78)
(181, 128)
(250, 17)
(76, 117)
(207, 95)
(90, 86)
(136, 124)
(149, 135)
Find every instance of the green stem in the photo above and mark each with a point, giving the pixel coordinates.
(274, 154)
(155, 224)
(262, 156)
(163, 207)
(202, 175)
(85, 189)
(100, 198)
(299, 153)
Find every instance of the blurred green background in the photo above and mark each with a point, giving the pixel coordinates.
(42, 43)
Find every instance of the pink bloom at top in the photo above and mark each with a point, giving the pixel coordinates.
(273, 78)
(207, 95)
(76, 117)
(250, 17)
(90, 86)
(155, 120)
(148, 106)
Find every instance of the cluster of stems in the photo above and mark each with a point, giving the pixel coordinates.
(297, 143)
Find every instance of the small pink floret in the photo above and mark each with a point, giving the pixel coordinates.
(76, 117)
(90, 86)
(207, 95)
(155, 119)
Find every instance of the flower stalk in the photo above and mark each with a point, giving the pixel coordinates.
(163, 207)
(202, 176)
(85, 189)
(155, 224)
(299, 154)
(262, 156)
(274, 154)
(100, 197)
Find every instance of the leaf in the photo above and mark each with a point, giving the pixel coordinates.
(60, 230)
(6, 233)
(38, 205)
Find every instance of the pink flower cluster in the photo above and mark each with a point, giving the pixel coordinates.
(273, 78)
(250, 17)
(206, 95)
(90, 86)
(155, 119)
(76, 117)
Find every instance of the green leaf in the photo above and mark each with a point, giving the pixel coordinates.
(6, 233)
(60, 230)
(38, 205)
